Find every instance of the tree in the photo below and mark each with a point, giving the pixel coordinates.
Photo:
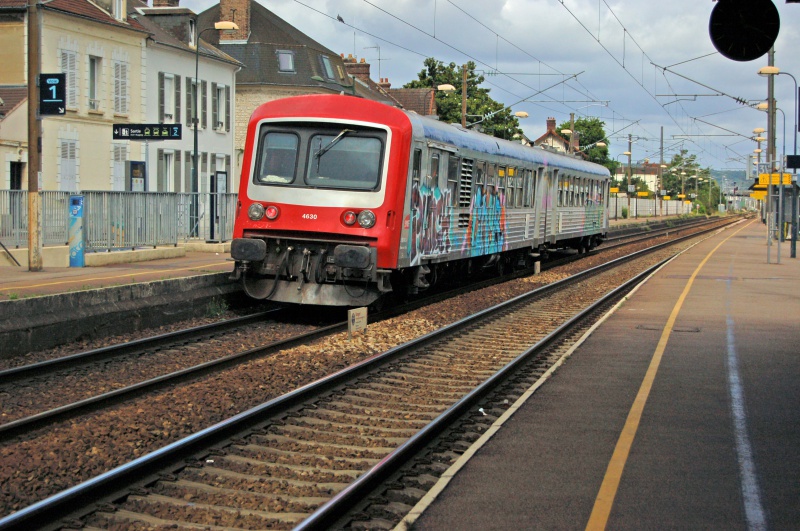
(501, 124)
(680, 177)
(590, 131)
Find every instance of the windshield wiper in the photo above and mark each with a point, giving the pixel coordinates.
(332, 143)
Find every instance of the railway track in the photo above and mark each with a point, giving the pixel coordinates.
(298, 456)
(124, 371)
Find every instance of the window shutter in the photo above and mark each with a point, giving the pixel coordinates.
(177, 113)
(214, 104)
(189, 102)
(69, 67)
(205, 104)
(121, 95)
(161, 97)
(227, 108)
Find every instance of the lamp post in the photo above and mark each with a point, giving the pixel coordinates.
(224, 25)
(628, 190)
(773, 70)
(767, 71)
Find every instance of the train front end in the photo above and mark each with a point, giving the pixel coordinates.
(321, 193)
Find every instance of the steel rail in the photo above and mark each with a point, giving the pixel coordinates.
(14, 374)
(39, 420)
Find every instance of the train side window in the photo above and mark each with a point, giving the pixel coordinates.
(501, 180)
(560, 192)
(502, 184)
(416, 167)
(480, 176)
(491, 179)
(278, 158)
(529, 188)
(520, 190)
(453, 165)
(433, 171)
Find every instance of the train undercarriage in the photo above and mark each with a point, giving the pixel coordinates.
(345, 274)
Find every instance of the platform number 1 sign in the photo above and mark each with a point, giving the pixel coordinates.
(52, 94)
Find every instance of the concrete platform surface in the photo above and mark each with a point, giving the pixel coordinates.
(680, 411)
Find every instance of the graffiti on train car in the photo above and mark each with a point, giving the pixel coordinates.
(434, 231)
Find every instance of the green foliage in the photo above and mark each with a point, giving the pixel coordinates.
(216, 308)
(624, 212)
(590, 131)
(684, 175)
(503, 124)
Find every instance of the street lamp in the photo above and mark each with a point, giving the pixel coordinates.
(224, 25)
(766, 71)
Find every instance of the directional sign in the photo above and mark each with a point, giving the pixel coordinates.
(148, 131)
(52, 94)
(764, 179)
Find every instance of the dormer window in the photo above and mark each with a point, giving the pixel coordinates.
(118, 7)
(285, 61)
(327, 66)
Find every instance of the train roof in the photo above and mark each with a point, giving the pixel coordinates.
(460, 137)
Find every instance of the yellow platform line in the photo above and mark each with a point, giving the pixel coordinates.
(608, 489)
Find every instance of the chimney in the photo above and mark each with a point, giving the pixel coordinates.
(237, 11)
(166, 3)
(551, 125)
(358, 69)
(384, 83)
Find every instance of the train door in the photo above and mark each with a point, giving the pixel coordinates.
(412, 223)
(548, 204)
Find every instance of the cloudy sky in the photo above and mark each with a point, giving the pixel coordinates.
(619, 48)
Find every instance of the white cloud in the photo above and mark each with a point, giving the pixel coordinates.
(529, 37)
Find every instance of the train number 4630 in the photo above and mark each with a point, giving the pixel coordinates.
(309, 216)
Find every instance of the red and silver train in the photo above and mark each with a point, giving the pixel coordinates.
(344, 200)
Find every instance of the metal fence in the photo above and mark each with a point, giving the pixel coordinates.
(121, 220)
(646, 208)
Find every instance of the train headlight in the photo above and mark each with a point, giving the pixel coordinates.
(366, 218)
(256, 211)
(272, 212)
(349, 218)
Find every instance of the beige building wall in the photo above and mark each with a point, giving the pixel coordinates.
(12, 52)
(84, 134)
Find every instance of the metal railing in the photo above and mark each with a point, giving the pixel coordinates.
(120, 220)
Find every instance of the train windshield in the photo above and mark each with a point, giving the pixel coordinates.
(340, 161)
(306, 156)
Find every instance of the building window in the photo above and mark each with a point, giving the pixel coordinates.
(191, 94)
(121, 88)
(95, 74)
(169, 93)
(219, 105)
(327, 66)
(69, 66)
(285, 61)
(68, 166)
(118, 13)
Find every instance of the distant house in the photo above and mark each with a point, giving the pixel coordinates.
(279, 61)
(551, 139)
(119, 57)
(100, 50)
(173, 90)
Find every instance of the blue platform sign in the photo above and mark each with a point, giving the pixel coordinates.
(75, 235)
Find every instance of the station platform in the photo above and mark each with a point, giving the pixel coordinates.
(20, 282)
(681, 410)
